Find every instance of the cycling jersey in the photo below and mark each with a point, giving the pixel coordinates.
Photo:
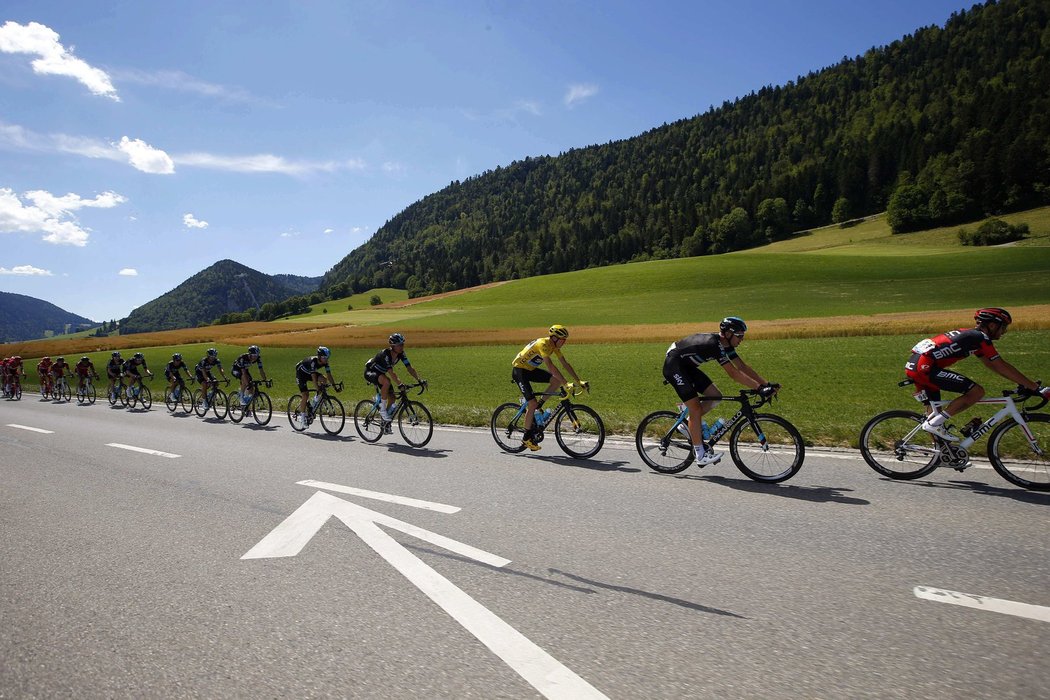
(173, 368)
(699, 348)
(206, 363)
(312, 366)
(43, 367)
(84, 369)
(242, 361)
(384, 361)
(948, 348)
(533, 354)
(114, 367)
(59, 368)
(132, 366)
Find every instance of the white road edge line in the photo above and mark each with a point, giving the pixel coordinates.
(376, 495)
(143, 450)
(980, 602)
(26, 427)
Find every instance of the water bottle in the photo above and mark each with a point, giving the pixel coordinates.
(245, 398)
(706, 429)
(718, 424)
(973, 425)
(542, 416)
(314, 400)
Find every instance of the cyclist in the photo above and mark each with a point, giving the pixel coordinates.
(43, 369)
(84, 368)
(527, 368)
(240, 371)
(114, 370)
(682, 371)
(131, 369)
(380, 371)
(309, 370)
(58, 369)
(173, 372)
(931, 356)
(14, 373)
(203, 372)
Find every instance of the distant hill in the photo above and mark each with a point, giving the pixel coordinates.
(27, 318)
(225, 287)
(944, 125)
(299, 285)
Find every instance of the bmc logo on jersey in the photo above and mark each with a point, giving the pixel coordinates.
(946, 351)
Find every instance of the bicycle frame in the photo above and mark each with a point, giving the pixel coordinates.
(1009, 409)
(746, 412)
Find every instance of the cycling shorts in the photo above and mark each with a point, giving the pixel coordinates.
(524, 378)
(303, 379)
(237, 371)
(203, 376)
(931, 379)
(688, 379)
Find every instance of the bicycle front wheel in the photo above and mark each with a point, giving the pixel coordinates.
(146, 398)
(66, 395)
(893, 445)
(773, 454)
(170, 402)
(660, 446)
(295, 417)
(1019, 461)
(580, 431)
(262, 408)
(218, 403)
(367, 421)
(508, 427)
(415, 423)
(234, 406)
(332, 414)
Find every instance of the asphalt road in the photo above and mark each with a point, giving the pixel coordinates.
(122, 573)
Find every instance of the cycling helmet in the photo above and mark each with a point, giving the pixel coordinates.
(732, 324)
(323, 351)
(115, 355)
(993, 313)
(397, 339)
(558, 331)
(139, 356)
(60, 359)
(212, 352)
(45, 358)
(85, 358)
(254, 350)
(176, 357)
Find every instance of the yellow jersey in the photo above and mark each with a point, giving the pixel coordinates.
(533, 354)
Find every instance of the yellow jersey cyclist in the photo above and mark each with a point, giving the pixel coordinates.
(682, 371)
(380, 371)
(528, 367)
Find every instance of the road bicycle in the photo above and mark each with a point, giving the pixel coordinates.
(86, 393)
(179, 397)
(45, 388)
(413, 418)
(578, 429)
(13, 390)
(763, 446)
(118, 393)
(61, 392)
(328, 408)
(214, 399)
(894, 444)
(259, 406)
(137, 392)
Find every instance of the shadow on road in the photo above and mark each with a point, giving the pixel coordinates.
(815, 494)
(592, 464)
(330, 438)
(268, 428)
(398, 448)
(1016, 493)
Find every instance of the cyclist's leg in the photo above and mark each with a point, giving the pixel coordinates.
(246, 383)
(386, 388)
(970, 393)
(301, 380)
(524, 378)
(690, 383)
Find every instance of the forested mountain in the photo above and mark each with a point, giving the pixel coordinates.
(224, 288)
(27, 318)
(946, 123)
(299, 285)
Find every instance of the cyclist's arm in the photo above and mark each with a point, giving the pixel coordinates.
(1005, 369)
(553, 369)
(742, 373)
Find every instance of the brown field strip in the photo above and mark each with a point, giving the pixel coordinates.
(1036, 317)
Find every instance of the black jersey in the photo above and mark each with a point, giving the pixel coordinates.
(948, 348)
(172, 368)
(242, 361)
(115, 366)
(312, 365)
(699, 348)
(132, 366)
(207, 363)
(384, 361)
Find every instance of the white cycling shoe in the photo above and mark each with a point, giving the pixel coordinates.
(710, 457)
(940, 431)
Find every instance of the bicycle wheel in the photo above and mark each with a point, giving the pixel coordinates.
(113, 395)
(199, 407)
(415, 423)
(234, 406)
(1014, 457)
(295, 418)
(660, 446)
(261, 407)
(508, 427)
(218, 403)
(884, 448)
(130, 399)
(772, 456)
(367, 421)
(580, 431)
(146, 397)
(18, 392)
(185, 401)
(170, 402)
(66, 394)
(332, 414)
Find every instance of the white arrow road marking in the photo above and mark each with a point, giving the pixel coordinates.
(26, 427)
(541, 670)
(143, 450)
(389, 498)
(980, 602)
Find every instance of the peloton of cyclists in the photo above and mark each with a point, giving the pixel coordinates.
(309, 370)
(203, 372)
(173, 372)
(240, 370)
(527, 368)
(930, 358)
(682, 371)
(379, 371)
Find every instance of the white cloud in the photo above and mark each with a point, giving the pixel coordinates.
(53, 58)
(179, 81)
(50, 215)
(129, 272)
(290, 234)
(26, 270)
(265, 163)
(191, 222)
(146, 158)
(329, 230)
(579, 93)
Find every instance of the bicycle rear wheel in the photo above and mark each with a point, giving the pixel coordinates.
(234, 406)
(508, 427)
(1014, 457)
(170, 402)
(660, 445)
(66, 395)
(579, 431)
(262, 408)
(295, 417)
(367, 421)
(774, 454)
(199, 407)
(332, 414)
(218, 404)
(415, 423)
(884, 448)
(146, 398)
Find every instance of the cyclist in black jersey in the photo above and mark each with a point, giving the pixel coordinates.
(309, 370)
(682, 371)
(131, 369)
(240, 370)
(930, 358)
(114, 368)
(173, 372)
(203, 370)
(380, 371)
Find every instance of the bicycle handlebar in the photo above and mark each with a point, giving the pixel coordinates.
(406, 387)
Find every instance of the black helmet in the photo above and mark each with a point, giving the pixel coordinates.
(85, 358)
(212, 352)
(116, 354)
(139, 356)
(322, 351)
(732, 324)
(397, 339)
(993, 313)
(254, 350)
(177, 357)
(61, 359)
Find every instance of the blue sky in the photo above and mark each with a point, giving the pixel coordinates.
(141, 142)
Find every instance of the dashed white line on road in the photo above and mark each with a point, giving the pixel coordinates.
(980, 602)
(143, 450)
(26, 427)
